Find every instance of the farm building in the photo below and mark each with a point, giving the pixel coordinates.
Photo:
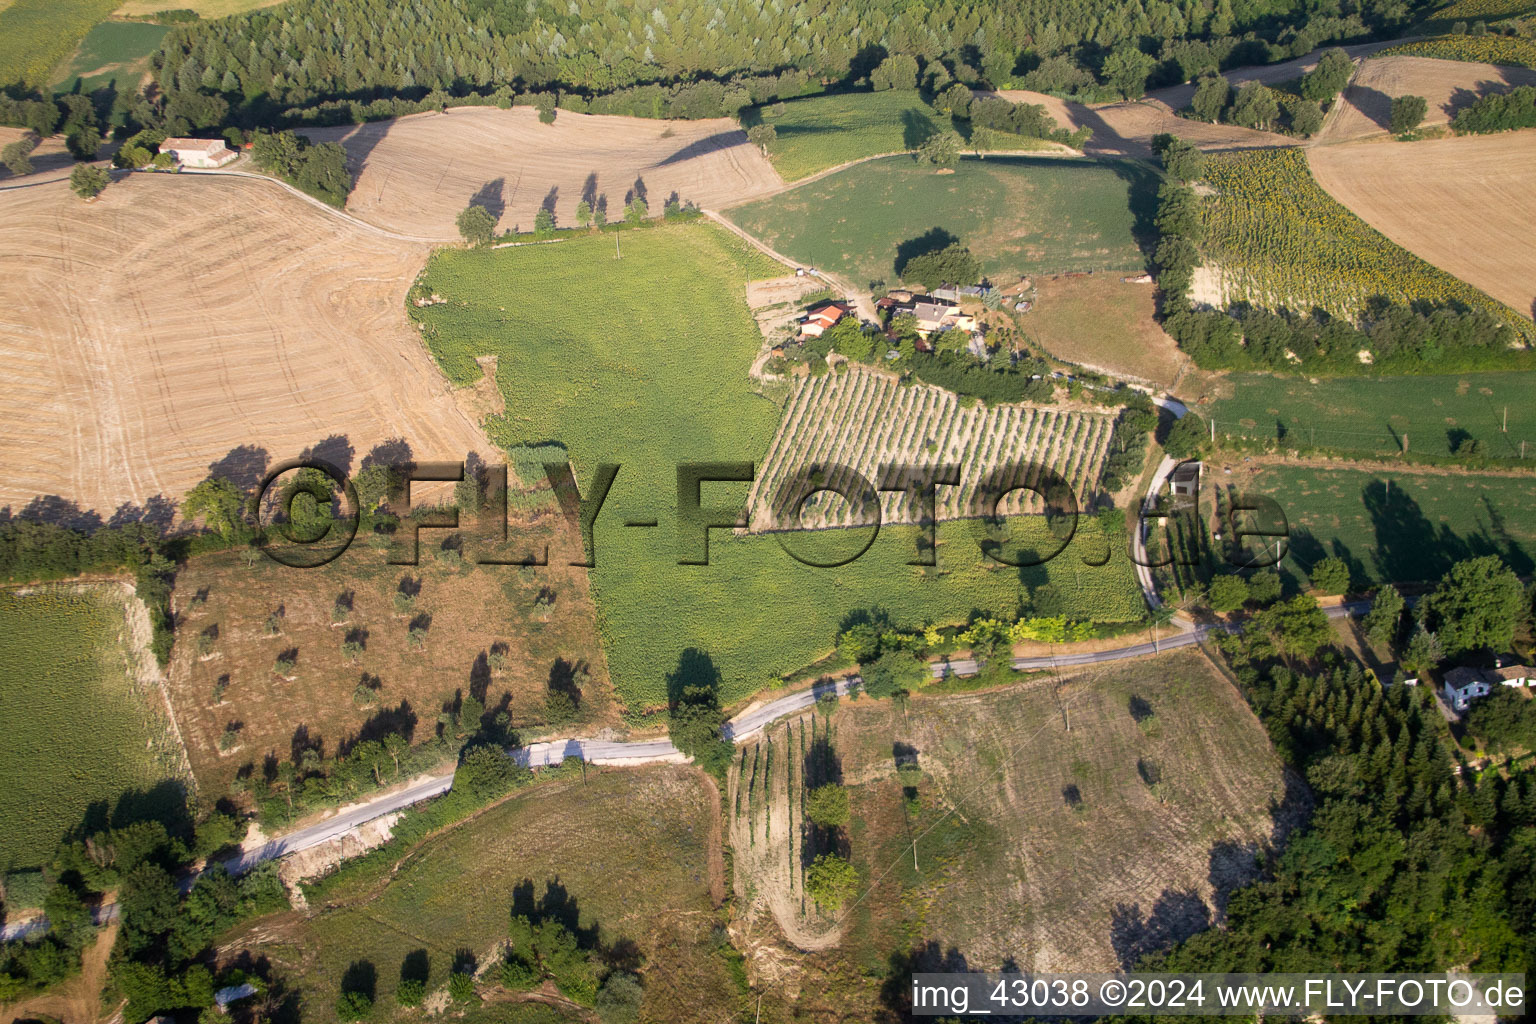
(932, 314)
(1185, 480)
(1464, 685)
(822, 319)
(199, 152)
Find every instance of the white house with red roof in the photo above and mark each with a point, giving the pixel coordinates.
(822, 319)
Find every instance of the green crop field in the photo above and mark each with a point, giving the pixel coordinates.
(624, 853)
(1018, 215)
(36, 34)
(72, 731)
(1402, 527)
(1280, 241)
(1490, 49)
(1375, 414)
(643, 362)
(114, 53)
(819, 132)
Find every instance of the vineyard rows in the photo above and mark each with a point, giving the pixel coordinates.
(1281, 241)
(863, 420)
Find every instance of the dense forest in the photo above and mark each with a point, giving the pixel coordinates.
(338, 60)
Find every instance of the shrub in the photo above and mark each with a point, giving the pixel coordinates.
(518, 974)
(1407, 113)
(476, 225)
(1330, 576)
(461, 987)
(618, 1001)
(410, 992)
(353, 1006)
(827, 805)
(831, 881)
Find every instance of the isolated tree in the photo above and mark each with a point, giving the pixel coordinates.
(952, 264)
(636, 211)
(584, 213)
(941, 149)
(1477, 606)
(762, 136)
(1211, 98)
(17, 157)
(1187, 437)
(1330, 576)
(1183, 161)
(827, 805)
(694, 728)
(1331, 75)
(1126, 70)
(1381, 622)
(619, 1000)
(1264, 587)
(898, 71)
(544, 222)
(476, 225)
(831, 881)
(219, 504)
(892, 673)
(88, 181)
(1407, 113)
(1228, 592)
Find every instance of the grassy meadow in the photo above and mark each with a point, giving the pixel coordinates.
(819, 132)
(36, 34)
(113, 54)
(1018, 215)
(1400, 527)
(1374, 414)
(1018, 820)
(647, 368)
(626, 855)
(74, 737)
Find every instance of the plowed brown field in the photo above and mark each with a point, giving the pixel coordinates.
(1464, 204)
(415, 174)
(147, 335)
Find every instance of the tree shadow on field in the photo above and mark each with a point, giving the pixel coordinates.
(244, 466)
(695, 676)
(932, 240)
(395, 452)
(556, 904)
(165, 802)
(925, 958)
(1176, 914)
(589, 190)
(916, 128)
(334, 451)
(491, 197)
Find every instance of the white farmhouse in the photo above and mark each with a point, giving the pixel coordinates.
(199, 152)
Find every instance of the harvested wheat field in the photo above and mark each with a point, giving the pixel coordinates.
(415, 174)
(1464, 204)
(1447, 85)
(149, 334)
(49, 160)
(1126, 129)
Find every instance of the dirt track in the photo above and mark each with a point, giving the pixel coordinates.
(149, 334)
(1448, 85)
(415, 174)
(1464, 204)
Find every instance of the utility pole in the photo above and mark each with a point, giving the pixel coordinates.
(1213, 430)
(616, 254)
(1506, 419)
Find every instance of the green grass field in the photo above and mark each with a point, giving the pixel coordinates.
(643, 362)
(1402, 527)
(1374, 414)
(36, 34)
(819, 132)
(72, 731)
(114, 53)
(625, 853)
(1019, 215)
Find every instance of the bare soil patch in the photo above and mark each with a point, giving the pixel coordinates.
(416, 174)
(150, 334)
(541, 620)
(1126, 129)
(1102, 322)
(1463, 204)
(49, 160)
(1448, 85)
